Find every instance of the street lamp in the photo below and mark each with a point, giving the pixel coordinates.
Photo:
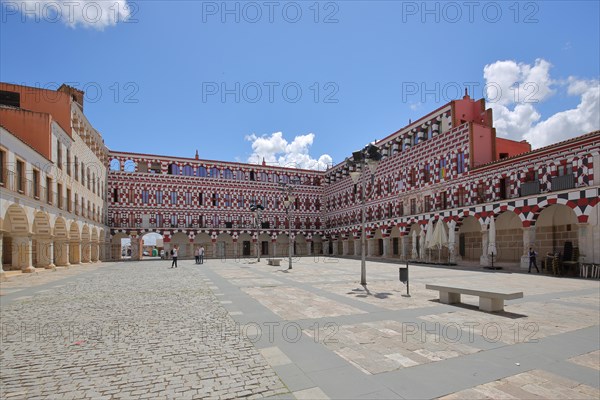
(369, 156)
(288, 203)
(257, 209)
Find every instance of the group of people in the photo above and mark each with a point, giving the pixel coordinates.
(198, 254)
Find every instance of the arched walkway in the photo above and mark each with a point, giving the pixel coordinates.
(556, 231)
(509, 237)
(16, 240)
(74, 244)
(469, 239)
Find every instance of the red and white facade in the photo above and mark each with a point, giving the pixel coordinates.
(447, 166)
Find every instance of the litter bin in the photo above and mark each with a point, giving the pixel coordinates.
(403, 274)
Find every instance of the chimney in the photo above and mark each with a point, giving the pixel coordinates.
(264, 163)
(196, 154)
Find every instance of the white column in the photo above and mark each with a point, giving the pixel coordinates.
(45, 252)
(528, 240)
(335, 248)
(484, 261)
(452, 241)
(370, 247)
(309, 247)
(135, 247)
(62, 253)
(345, 247)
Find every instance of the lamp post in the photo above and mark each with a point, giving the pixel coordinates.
(288, 203)
(257, 209)
(369, 156)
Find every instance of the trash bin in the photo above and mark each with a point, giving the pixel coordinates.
(403, 274)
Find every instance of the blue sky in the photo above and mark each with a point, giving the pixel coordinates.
(155, 78)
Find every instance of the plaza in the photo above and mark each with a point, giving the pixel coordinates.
(233, 328)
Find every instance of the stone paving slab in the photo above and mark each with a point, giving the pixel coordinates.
(239, 329)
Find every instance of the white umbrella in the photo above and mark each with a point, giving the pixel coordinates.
(439, 238)
(428, 235)
(491, 250)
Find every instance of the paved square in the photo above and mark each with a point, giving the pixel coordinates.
(237, 328)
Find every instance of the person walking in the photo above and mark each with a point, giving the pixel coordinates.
(532, 260)
(174, 254)
(197, 255)
(201, 253)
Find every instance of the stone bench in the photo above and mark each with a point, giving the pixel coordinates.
(489, 300)
(276, 262)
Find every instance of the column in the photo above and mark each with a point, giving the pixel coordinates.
(335, 248)
(86, 251)
(356, 246)
(484, 260)
(345, 247)
(309, 247)
(386, 246)
(235, 249)
(95, 251)
(404, 246)
(74, 252)
(135, 247)
(370, 247)
(21, 253)
(45, 251)
(62, 253)
(452, 241)
(214, 249)
(167, 249)
(528, 240)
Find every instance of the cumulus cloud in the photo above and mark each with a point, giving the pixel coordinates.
(276, 150)
(515, 91)
(96, 14)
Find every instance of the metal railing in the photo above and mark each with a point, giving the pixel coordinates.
(563, 182)
(529, 188)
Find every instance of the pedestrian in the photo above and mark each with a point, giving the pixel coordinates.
(174, 252)
(532, 255)
(201, 253)
(197, 255)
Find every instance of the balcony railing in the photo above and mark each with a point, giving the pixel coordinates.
(563, 182)
(529, 188)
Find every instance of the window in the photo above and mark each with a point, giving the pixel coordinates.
(20, 176)
(443, 201)
(227, 174)
(415, 138)
(82, 173)
(49, 190)
(188, 198)
(413, 177)
(76, 205)
(58, 154)
(69, 202)
(155, 168)
(131, 196)
(443, 168)
(59, 195)
(69, 162)
(429, 132)
(427, 204)
(142, 167)
(173, 220)
(264, 177)
(115, 165)
(531, 176)
(76, 168)
(87, 177)
(159, 220)
(188, 170)
(426, 173)
(116, 195)
(215, 199)
(565, 169)
(188, 221)
(145, 196)
(401, 209)
(461, 193)
(159, 197)
(200, 199)
(173, 169)
(227, 200)
(460, 162)
(173, 197)
(201, 171)
(215, 173)
(241, 201)
(36, 183)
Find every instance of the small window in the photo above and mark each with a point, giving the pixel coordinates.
(201, 171)
(159, 197)
(115, 165)
(36, 183)
(215, 173)
(143, 167)
(155, 168)
(187, 170)
(2, 167)
(20, 176)
(116, 195)
(129, 166)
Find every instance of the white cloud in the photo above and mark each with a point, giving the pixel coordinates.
(516, 90)
(277, 151)
(96, 14)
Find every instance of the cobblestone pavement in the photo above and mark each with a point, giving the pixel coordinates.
(127, 330)
(238, 328)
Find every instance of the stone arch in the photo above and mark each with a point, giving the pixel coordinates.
(282, 242)
(246, 246)
(300, 245)
(317, 244)
(86, 249)
(151, 244)
(16, 243)
(509, 237)
(469, 239)
(555, 227)
(395, 242)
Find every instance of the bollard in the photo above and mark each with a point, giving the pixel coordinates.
(403, 272)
